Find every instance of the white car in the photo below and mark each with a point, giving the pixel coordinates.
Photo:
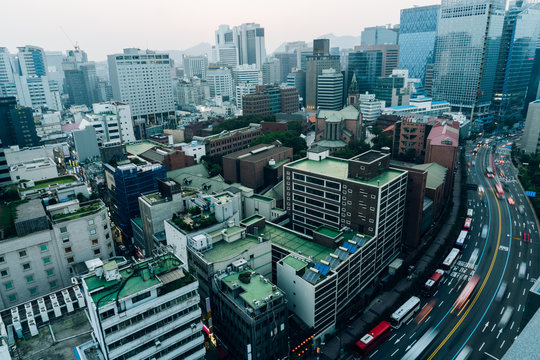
(501, 291)
(506, 316)
(522, 270)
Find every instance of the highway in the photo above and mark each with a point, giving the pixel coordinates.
(489, 321)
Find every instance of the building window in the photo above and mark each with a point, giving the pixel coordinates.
(2, 259)
(109, 246)
(30, 278)
(52, 284)
(12, 297)
(26, 266)
(33, 291)
(8, 285)
(49, 272)
(97, 252)
(63, 229)
(4, 273)
(43, 248)
(65, 239)
(70, 259)
(94, 242)
(93, 232)
(102, 216)
(105, 227)
(90, 222)
(22, 253)
(141, 297)
(107, 236)
(67, 250)
(46, 260)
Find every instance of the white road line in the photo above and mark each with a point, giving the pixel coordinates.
(394, 353)
(508, 297)
(429, 317)
(410, 337)
(408, 322)
(530, 251)
(502, 310)
(393, 336)
(398, 340)
(373, 353)
(514, 280)
(441, 303)
(524, 291)
(517, 266)
(519, 255)
(481, 346)
(511, 326)
(435, 294)
(519, 307)
(502, 344)
(529, 263)
(493, 328)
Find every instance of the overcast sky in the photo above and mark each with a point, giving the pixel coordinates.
(104, 27)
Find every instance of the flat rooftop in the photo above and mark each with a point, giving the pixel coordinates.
(369, 156)
(222, 250)
(338, 169)
(53, 181)
(328, 231)
(295, 263)
(30, 210)
(256, 290)
(262, 198)
(252, 219)
(68, 332)
(136, 279)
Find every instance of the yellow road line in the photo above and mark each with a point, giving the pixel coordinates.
(517, 238)
(479, 291)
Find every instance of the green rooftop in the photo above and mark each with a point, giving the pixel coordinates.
(262, 198)
(228, 230)
(328, 231)
(339, 169)
(252, 219)
(294, 243)
(222, 250)
(86, 209)
(295, 263)
(136, 279)
(257, 289)
(54, 181)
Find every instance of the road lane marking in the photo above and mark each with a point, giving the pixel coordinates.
(373, 353)
(394, 353)
(519, 307)
(508, 297)
(511, 326)
(493, 328)
(410, 337)
(524, 291)
(502, 344)
(502, 310)
(441, 303)
(393, 336)
(481, 346)
(513, 279)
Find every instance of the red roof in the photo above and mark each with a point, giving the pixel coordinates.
(70, 127)
(444, 134)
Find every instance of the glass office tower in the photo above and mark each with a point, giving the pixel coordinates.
(516, 58)
(367, 66)
(466, 54)
(417, 33)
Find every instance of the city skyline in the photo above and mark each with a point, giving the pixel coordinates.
(94, 31)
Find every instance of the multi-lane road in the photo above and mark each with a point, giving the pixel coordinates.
(496, 252)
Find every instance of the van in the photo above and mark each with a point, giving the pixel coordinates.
(470, 212)
(506, 316)
(522, 270)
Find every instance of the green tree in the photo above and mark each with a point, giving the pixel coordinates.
(295, 126)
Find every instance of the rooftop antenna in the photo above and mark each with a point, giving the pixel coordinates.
(75, 44)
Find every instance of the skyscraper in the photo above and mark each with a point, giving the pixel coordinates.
(247, 40)
(366, 66)
(378, 35)
(467, 47)
(330, 90)
(143, 80)
(417, 33)
(516, 58)
(220, 82)
(195, 66)
(390, 56)
(80, 79)
(321, 47)
(16, 124)
(315, 64)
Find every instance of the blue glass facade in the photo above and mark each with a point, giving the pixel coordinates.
(367, 65)
(466, 54)
(417, 33)
(516, 59)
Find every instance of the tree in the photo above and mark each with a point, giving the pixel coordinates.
(295, 126)
(241, 121)
(287, 138)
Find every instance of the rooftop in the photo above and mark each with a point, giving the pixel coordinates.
(54, 181)
(30, 210)
(526, 345)
(436, 174)
(295, 263)
(85, 209)
(328, 231)
(262, 198)
(255, 291)
(137, 278)
(223, 250)
(339, 168)
(369, 156)
(252, 219)
(441, 133)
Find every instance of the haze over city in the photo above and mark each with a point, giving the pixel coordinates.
(106, 27)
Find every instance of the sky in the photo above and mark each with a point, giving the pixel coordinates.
(102, 27)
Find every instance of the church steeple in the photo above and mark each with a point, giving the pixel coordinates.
(353, 93)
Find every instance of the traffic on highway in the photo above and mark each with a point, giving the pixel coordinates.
(471, 306)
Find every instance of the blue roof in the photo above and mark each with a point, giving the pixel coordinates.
(400, 107)
(439, 102)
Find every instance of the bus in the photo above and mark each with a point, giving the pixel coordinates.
(489, 172)
(433, 283)
(468, 222)
(419, 347)
(405, 312)
(499, 191)
(466, 292)
(372, 339)
(461, 239)
(450, 260)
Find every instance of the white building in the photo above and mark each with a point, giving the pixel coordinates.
(33, 170)
(47, 123)
(149, 310)
(143, 80)
(531, 135)
(194, 149)
(192, 91)
(421, 105)
(195, 66)
(41, 256)
(241, 91)
(370, 107)
(220, 82)
(247, 40)
(247, 74)
(330, 90)
(271, 72)
(112, 121)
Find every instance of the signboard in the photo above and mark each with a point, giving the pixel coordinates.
(530, 193)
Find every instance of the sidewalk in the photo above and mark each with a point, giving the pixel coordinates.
(386, 300)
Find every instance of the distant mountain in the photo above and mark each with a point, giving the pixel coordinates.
(199, 49)
(343, 42)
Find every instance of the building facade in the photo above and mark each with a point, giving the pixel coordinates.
(531, 135)
(315, 65)
(18, 127)
(330, 90)
(195, 66)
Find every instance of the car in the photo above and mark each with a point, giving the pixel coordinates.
(521, 209)
(470, 213)
(511, 201)
(522, 270)
(506, 316)
(481, 190)
(501, 291)
(484, 231)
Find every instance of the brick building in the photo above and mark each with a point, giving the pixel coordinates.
(271, 100)
(172, 159)
(258, 166)
(335, 129)
(229, 141)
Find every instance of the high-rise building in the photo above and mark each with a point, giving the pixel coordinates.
(17, 125)
(80, 79)
(5, 178)
(193, 92)
(271, 72)
(247, 40)
(466, 53)
(516, 58)
(220, 82)
(143, 80)
(86, 144)
(297, 79)
(247, 74)
(195, 66)
(417, 33)
(287, 62)
(366, 66)
(393, 90)
(157, 316)
(330, 90)
(321, 47)
(378, 35)
(390, 56)
(315, 64)
(54, 67)
(112, 121)
(271, 100)
(531, 141)
(370, 107)
(241, 91)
